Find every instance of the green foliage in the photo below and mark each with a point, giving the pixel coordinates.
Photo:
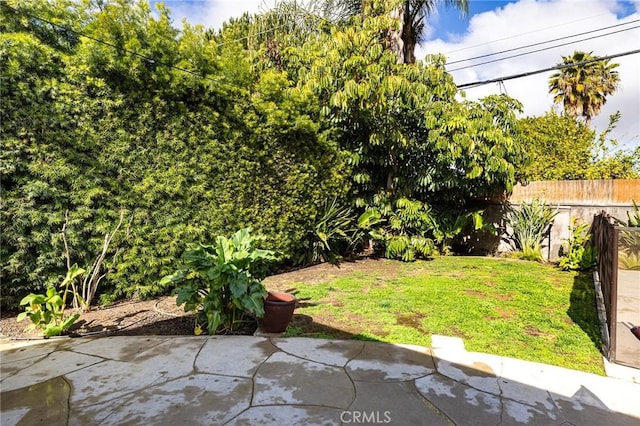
(554, 139)
(405, 132)
(449, 226)
(405, 228)
(629, 241)
(629, 260)
(574, 149)
(529, 224)
(46, 311)
(583, 89)
(96, 131)
(634, 217)
(190, 135)
(222, 283)
(579, 254)
(331, 235)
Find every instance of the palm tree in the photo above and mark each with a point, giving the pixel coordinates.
(411, 13)
(584, 87)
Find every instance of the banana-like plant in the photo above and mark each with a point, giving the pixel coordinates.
(222, 283)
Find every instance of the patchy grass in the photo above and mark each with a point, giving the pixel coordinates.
(506, 307)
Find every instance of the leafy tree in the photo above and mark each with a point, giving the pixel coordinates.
(583, 89)
(560, 148)
(406, 135)
(405, 132)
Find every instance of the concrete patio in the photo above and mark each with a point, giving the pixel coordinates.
(247, 380)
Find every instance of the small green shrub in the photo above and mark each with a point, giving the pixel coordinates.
(629, 243)
(46, 311)
(529, 224)
(579, 254)
(222, 283)
(448, 227)
(629, 261)
(406, 228)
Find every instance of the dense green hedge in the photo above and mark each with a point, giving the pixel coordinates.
(184, 158)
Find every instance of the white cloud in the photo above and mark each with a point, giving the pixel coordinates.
(537, 21)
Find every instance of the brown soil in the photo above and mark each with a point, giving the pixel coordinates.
(161, 316)
(129, 318)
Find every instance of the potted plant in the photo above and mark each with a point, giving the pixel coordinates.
(278, 311)
(222, 283)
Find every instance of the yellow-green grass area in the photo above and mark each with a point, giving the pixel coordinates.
(506, 307)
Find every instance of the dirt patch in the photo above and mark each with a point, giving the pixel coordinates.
(455, 331)
(325, 272)
(476, 293)
(505, 297)
(534, 331)
(505, 313)
(134, 318)
(412, 320)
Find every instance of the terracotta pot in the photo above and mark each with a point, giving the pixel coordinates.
(278, 311)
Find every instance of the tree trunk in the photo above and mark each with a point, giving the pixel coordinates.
(408, 38)
(396, 40)
(402, 41)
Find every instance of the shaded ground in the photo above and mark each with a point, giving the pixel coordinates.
(161, 316)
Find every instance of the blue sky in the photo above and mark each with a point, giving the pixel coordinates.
(494, 26)
(450, 21)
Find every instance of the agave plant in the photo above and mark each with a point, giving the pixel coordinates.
(331, 235)
(529, 224)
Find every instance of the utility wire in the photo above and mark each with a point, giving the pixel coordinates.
(556, 67)
(542, 42)
(527, 33)
(542, 50)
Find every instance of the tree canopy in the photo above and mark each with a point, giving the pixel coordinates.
(559, 147)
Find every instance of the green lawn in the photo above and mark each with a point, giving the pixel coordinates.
(506, 307)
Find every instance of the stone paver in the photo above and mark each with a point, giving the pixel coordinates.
(239, 380)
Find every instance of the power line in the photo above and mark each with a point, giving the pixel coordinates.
(542, 50)
(542, 42)
(521, 34)
(556, 67)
